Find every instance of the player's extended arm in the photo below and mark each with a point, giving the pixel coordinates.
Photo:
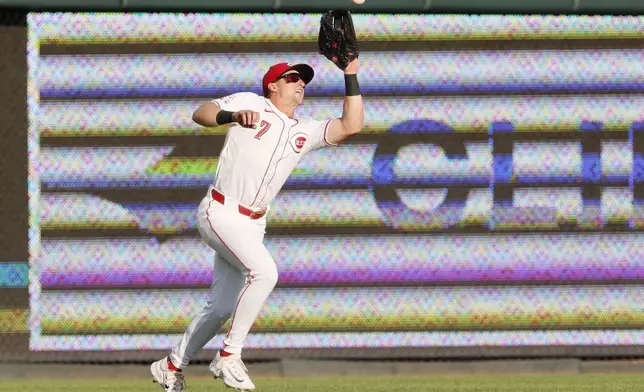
(211, 115)
(353, 111)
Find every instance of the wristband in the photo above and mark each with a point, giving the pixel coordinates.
(351, 85)
(224, 117)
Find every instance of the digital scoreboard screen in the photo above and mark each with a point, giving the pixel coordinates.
(495, 196)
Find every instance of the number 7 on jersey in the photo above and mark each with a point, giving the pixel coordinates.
(263, 128)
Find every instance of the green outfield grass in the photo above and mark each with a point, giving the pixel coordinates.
(465, 383)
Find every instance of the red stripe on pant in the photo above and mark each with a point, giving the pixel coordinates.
(232, 321)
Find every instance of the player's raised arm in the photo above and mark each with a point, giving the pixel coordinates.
(206, 115)
(353, 111)
(211, 115)
(337, 42)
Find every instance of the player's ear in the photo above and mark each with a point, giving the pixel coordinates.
(272, 87)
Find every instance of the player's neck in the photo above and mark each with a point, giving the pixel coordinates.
(286, 108)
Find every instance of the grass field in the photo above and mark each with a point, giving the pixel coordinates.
(464, 383)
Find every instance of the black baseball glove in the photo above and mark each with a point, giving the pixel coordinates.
(337, 40)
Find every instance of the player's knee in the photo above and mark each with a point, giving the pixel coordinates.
(268, 276)
(272, 277)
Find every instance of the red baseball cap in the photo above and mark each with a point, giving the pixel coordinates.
(275, 71)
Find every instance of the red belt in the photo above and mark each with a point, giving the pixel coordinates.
(242, 210)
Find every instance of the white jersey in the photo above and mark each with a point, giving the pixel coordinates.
(255, 163)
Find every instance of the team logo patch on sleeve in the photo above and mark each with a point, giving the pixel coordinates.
(297, 142)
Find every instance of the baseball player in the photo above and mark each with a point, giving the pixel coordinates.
(263, 144)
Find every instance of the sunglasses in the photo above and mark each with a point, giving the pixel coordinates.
(291, 78)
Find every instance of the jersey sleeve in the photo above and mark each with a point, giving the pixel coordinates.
(238, 101)
(318, 134)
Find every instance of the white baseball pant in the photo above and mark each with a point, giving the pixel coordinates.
(244, 277)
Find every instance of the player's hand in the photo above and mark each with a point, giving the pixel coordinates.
(352, 68)
(246, 118)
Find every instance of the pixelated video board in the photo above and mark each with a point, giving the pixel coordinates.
(494, 196)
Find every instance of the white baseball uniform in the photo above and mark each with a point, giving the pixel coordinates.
(253, 166)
